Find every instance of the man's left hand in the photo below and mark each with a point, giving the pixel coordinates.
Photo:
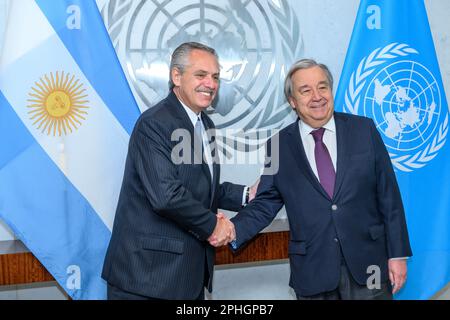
(397, 273)
(252, 191)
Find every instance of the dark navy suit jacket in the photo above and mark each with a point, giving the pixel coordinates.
(166, 211)
(364, 218)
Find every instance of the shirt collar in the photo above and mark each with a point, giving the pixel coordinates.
(306, 129)
(192, 115)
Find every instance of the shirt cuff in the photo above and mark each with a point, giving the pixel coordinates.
(244, 196)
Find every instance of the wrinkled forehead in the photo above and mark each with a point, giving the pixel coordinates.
(310, 76)
(203, 60)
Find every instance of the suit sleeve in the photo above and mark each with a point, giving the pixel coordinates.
(389, 200)
(230, 196)
(164, 190)
(260, 212)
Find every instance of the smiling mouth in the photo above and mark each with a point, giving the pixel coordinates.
(319, 104)
(208, 94)
(322, 106)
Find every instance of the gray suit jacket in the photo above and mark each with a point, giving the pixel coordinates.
(166, 212)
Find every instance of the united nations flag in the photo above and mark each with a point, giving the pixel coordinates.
(391, 75)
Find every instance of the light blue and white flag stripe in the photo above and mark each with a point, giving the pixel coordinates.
(59, 187)
(94, 55)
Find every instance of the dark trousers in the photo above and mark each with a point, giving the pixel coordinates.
(114, 293)
(349, 289)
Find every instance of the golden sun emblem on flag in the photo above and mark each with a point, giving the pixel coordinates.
(58, 103)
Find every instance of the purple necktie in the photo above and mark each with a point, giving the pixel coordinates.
(324, 164)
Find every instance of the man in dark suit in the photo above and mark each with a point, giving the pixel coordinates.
(167, 206)
(348, 234)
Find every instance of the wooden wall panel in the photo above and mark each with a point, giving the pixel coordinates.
(266, 246)
(23, 267)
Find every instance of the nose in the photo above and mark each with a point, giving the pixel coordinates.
(210, 82)
(316, 95)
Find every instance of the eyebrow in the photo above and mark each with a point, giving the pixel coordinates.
(206, 72)
(303, 87)
(308, 86)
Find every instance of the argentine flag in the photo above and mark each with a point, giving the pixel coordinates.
(66, 113)
(391, 74)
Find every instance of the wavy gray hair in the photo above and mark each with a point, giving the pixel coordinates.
(304, 64)
(180, 57)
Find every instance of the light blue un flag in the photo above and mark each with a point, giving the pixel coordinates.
(391, 75)
(66, 113)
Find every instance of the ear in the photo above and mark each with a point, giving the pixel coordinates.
(176, 76)
(292, 102)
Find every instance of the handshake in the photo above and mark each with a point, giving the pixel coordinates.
(223, 233)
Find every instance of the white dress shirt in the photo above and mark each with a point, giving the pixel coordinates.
(207, 154)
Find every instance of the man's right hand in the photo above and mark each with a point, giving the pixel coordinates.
(223, 232)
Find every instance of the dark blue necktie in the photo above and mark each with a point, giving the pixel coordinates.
(325, 169)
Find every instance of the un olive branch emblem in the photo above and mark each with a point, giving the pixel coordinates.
(115, 13)
(359, 80)
(291, 48)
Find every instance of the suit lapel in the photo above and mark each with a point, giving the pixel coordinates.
(186, 123)
(211, 134)
(300, 158)
(342, 137)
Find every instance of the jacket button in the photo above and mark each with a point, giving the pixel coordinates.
(334, 207)
(336, 240)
